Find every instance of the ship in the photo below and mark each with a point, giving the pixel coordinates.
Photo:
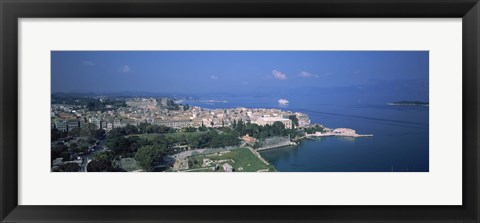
(283, 101)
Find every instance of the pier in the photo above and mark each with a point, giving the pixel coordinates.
(344, 132)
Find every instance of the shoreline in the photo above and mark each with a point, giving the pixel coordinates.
(295, 142)
(274, 147)
(318, 134)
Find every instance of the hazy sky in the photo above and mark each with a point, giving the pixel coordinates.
(230, 71)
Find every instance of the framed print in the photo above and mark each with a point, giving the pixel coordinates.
(288, 111)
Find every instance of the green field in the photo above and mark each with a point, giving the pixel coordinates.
(242, 160)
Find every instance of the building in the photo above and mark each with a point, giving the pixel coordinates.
(303, 119)
(96, 121)
(344, 131)
(61, 125)
(268, 120)
(109, 126)
(178, 124)
(72, 124)
(164, 102)
(248, 139)
(197, 122)
(227, 167)
(117, 123)
(144, 103)
(83, 123)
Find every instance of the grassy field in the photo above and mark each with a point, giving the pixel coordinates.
(242, 160)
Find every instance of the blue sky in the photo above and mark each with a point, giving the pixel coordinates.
(235, 71)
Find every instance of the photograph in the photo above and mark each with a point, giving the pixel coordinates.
(239, 111)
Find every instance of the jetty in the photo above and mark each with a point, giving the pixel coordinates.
(344, 132)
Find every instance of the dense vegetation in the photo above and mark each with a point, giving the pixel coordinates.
(102, 162)
(130, 141)
(149, 144)
(67, 167)
(262, 132)
(314, 128)
(65, 148)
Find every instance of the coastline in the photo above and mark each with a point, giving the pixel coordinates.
(319, 134)
(295, 142)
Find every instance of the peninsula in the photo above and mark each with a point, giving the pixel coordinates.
(409, 103)
(158, 134)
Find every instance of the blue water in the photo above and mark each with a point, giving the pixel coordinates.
(400, 141)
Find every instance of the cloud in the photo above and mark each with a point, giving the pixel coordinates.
(306, 74)
(279, 75)
(213, 77)
(88, 63)
(124, 69)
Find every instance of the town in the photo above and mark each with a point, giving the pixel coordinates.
(145, 134)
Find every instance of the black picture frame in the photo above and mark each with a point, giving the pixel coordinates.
(12, 10)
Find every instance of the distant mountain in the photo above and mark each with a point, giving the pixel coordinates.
(117, 94)
(409, 103)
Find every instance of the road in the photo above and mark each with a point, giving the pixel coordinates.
(99, 146)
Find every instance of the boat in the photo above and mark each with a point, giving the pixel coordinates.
(283, 101)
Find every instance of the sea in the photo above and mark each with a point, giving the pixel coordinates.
(400, 142)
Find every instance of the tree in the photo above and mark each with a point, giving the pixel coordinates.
(143, 127)
(102, 162)
(74, 148)
(100, 166)
(84, 149)
(149, 156)
(120, 143)
(97, 133)
(66, 156)
(202, 128)
(58, 150)
(130, 129)
(150, 129)
(91, 140)
(240, 127)
(190, 129)
(315, 128)
(277, 128)
(74, 132)
(56, 134)
(68, 167)
(193, 141)
(294, 120)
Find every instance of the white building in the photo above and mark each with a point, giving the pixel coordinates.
(178, 124)
(268, 120)
(344, 131)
